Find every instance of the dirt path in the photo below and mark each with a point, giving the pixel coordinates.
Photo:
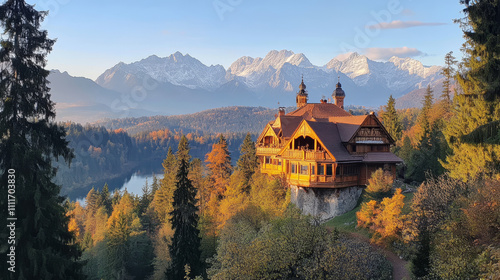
(399, 271)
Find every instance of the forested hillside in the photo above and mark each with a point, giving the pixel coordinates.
(220, 120)
(235, 119)
(102, 154)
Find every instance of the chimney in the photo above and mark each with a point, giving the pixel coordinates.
(323, 101)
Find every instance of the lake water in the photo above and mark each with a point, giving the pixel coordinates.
(133, 182)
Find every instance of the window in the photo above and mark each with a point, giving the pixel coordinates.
(338, 170)
(321, 169)
(304, 169)
(313, 171)
(279, 162)
(294, 168)
(350, 170)
(268, 160)
(328, 170)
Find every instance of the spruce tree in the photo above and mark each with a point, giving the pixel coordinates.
(247, 163)
(183, 150)
(424, 117)
(480, 73)
(106, 198)
(391, 119)
(431, 147)
(478, 104)
(29, 140)
(448, 72)
(162, 200)
(185, 247)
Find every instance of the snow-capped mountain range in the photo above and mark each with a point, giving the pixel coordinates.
(397, 74)
(183, 84)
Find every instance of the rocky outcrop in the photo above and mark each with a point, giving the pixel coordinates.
(325, 203)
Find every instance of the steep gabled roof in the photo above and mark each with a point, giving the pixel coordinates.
(287, 124)
(328, 135)
(319, 111)
(348, 126)
(366, 119)
(266, 129)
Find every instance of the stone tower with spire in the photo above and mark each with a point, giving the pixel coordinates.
(302, 95)
(339, 95)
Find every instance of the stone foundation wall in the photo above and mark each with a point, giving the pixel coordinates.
(325, 203)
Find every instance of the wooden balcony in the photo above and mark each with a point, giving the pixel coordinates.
(268, 150)
(311, 155)
(305, 155)
(294, 154)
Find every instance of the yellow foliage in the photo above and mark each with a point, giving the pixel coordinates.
(383, 219)
(234, 201)
(380, 181)
(366, 214)
(73, 227)
(469, 161)
(269, 194)
(219, 164)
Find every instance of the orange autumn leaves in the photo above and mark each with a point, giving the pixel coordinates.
(384, 218)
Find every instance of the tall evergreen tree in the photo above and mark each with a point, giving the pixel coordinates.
(29, 140)
(424, 117)
(183, 150)
(449, 73)
(431, 148)
(480, 73)
(106, 198)
(185, 247)
(163, 197)
(479, 102)
(247, 163)
(391, 119)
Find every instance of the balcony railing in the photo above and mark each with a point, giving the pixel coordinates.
(268, 150)
(316, 155)
(294, 154)
(308, 155)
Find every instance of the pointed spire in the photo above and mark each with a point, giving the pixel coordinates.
(301, 98)
(338, 94)
(302, 86)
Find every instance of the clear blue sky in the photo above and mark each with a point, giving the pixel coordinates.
(94, 35)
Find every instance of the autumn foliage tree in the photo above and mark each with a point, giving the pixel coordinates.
(380, 182)
(384, 219)
(219, 165)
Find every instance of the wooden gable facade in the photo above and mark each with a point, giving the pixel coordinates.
(317, 146)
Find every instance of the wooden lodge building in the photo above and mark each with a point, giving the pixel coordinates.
(320, 146)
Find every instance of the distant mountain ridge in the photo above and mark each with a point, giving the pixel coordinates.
(279, 74)
(181, 84)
